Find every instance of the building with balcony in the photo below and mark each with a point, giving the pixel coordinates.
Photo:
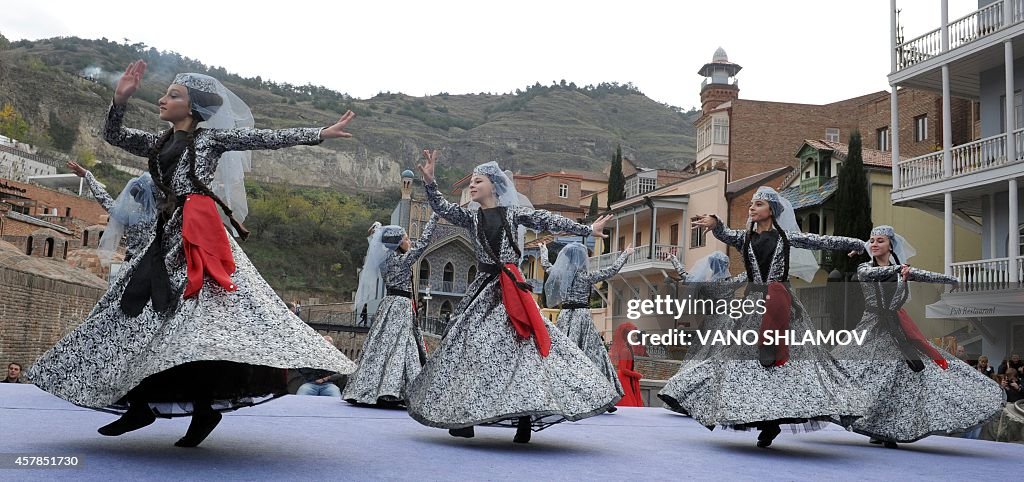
(973, 184)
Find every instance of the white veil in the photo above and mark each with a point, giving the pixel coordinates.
(571, 260)
(801, 261)
(505, 189)
(229, 179)
(900, 246)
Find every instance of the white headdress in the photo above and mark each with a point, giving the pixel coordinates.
(801, 261)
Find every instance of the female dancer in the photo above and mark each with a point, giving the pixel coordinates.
(918, 390)
(708, 280)
(569, 285)
(800, 385)
(500, 362)
(188, 327)
(393, 351)
(132, 215)
(622, 355)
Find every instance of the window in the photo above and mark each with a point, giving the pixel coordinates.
(639, 240)
(28, 250)
(563, 191)
(814, 225)
(622, 243)
(449, 273)
(674, 235)
(698, 237)
(832, 134)
(883, 138)
(85, 239)
(472, 274)
(921, 128)
(49, 247)
(424, 272)
(721, 131)
(446, 309)
(67, 212)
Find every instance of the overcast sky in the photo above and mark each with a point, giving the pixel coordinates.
(812, 51)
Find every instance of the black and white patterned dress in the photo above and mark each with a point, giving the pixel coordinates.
(232, 347)
(482, 372)
(578, 325)
(393, 351)
(908, 405)
(136, 236)
(724, 289)
(732, 389)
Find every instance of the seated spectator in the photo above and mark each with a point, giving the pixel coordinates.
(320, 382)
(1012, 386)
(13, 373)
(984, 368)
(1014, 362)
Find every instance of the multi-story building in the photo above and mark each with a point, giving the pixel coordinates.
(971, 184)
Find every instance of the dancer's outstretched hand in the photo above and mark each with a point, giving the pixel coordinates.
(598, 226)
(129, 82)
(338, 129)
(77, 168)
(629, 249)
(705, 221)
(427, 167)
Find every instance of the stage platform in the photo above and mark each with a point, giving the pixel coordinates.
(319, 438)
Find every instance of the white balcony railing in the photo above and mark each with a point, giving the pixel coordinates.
(920, 170)
(969, 28)
(989, 274)
(641, 254)
(977, 156)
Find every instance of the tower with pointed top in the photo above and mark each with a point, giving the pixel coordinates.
(717, 92)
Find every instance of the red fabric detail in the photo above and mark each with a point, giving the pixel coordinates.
(776, 318)
(205, 241)
(916, 337)
(522, 310)
(630, 380)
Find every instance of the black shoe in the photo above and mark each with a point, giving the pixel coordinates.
(875, 441)
(766, 355)
(202, 424)
(767, 435)
(612, 409)
(890, 445)
(466, 432)
(138, 415)
(523, 430)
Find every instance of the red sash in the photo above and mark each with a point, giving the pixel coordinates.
(205, 241)
(915, 336)
(776, 318)
(522, 310)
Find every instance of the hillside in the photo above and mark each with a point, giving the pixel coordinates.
(536, 129)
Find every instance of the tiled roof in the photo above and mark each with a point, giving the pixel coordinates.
(811, 198)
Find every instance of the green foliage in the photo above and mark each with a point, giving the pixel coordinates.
(12, 124)
(63, 135)
(592, 212)
(853, 199)
(616, 181)
(310, 239)
(435, 118)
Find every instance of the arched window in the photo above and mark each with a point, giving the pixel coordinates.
(448, 277)
(66, 250)
(813, 224)
(28, 250)
(446, 309)
(48, 249)
(85, 239)
(472, 273)
(424, 272)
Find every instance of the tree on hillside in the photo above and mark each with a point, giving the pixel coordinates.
(616, 181)
(853, 203)
(12, 124)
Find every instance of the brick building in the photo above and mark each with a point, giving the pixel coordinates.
(41, 300)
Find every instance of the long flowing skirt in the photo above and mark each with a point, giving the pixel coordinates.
(392, 355)
(231, 348)
(578, 325)
(484, 374)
